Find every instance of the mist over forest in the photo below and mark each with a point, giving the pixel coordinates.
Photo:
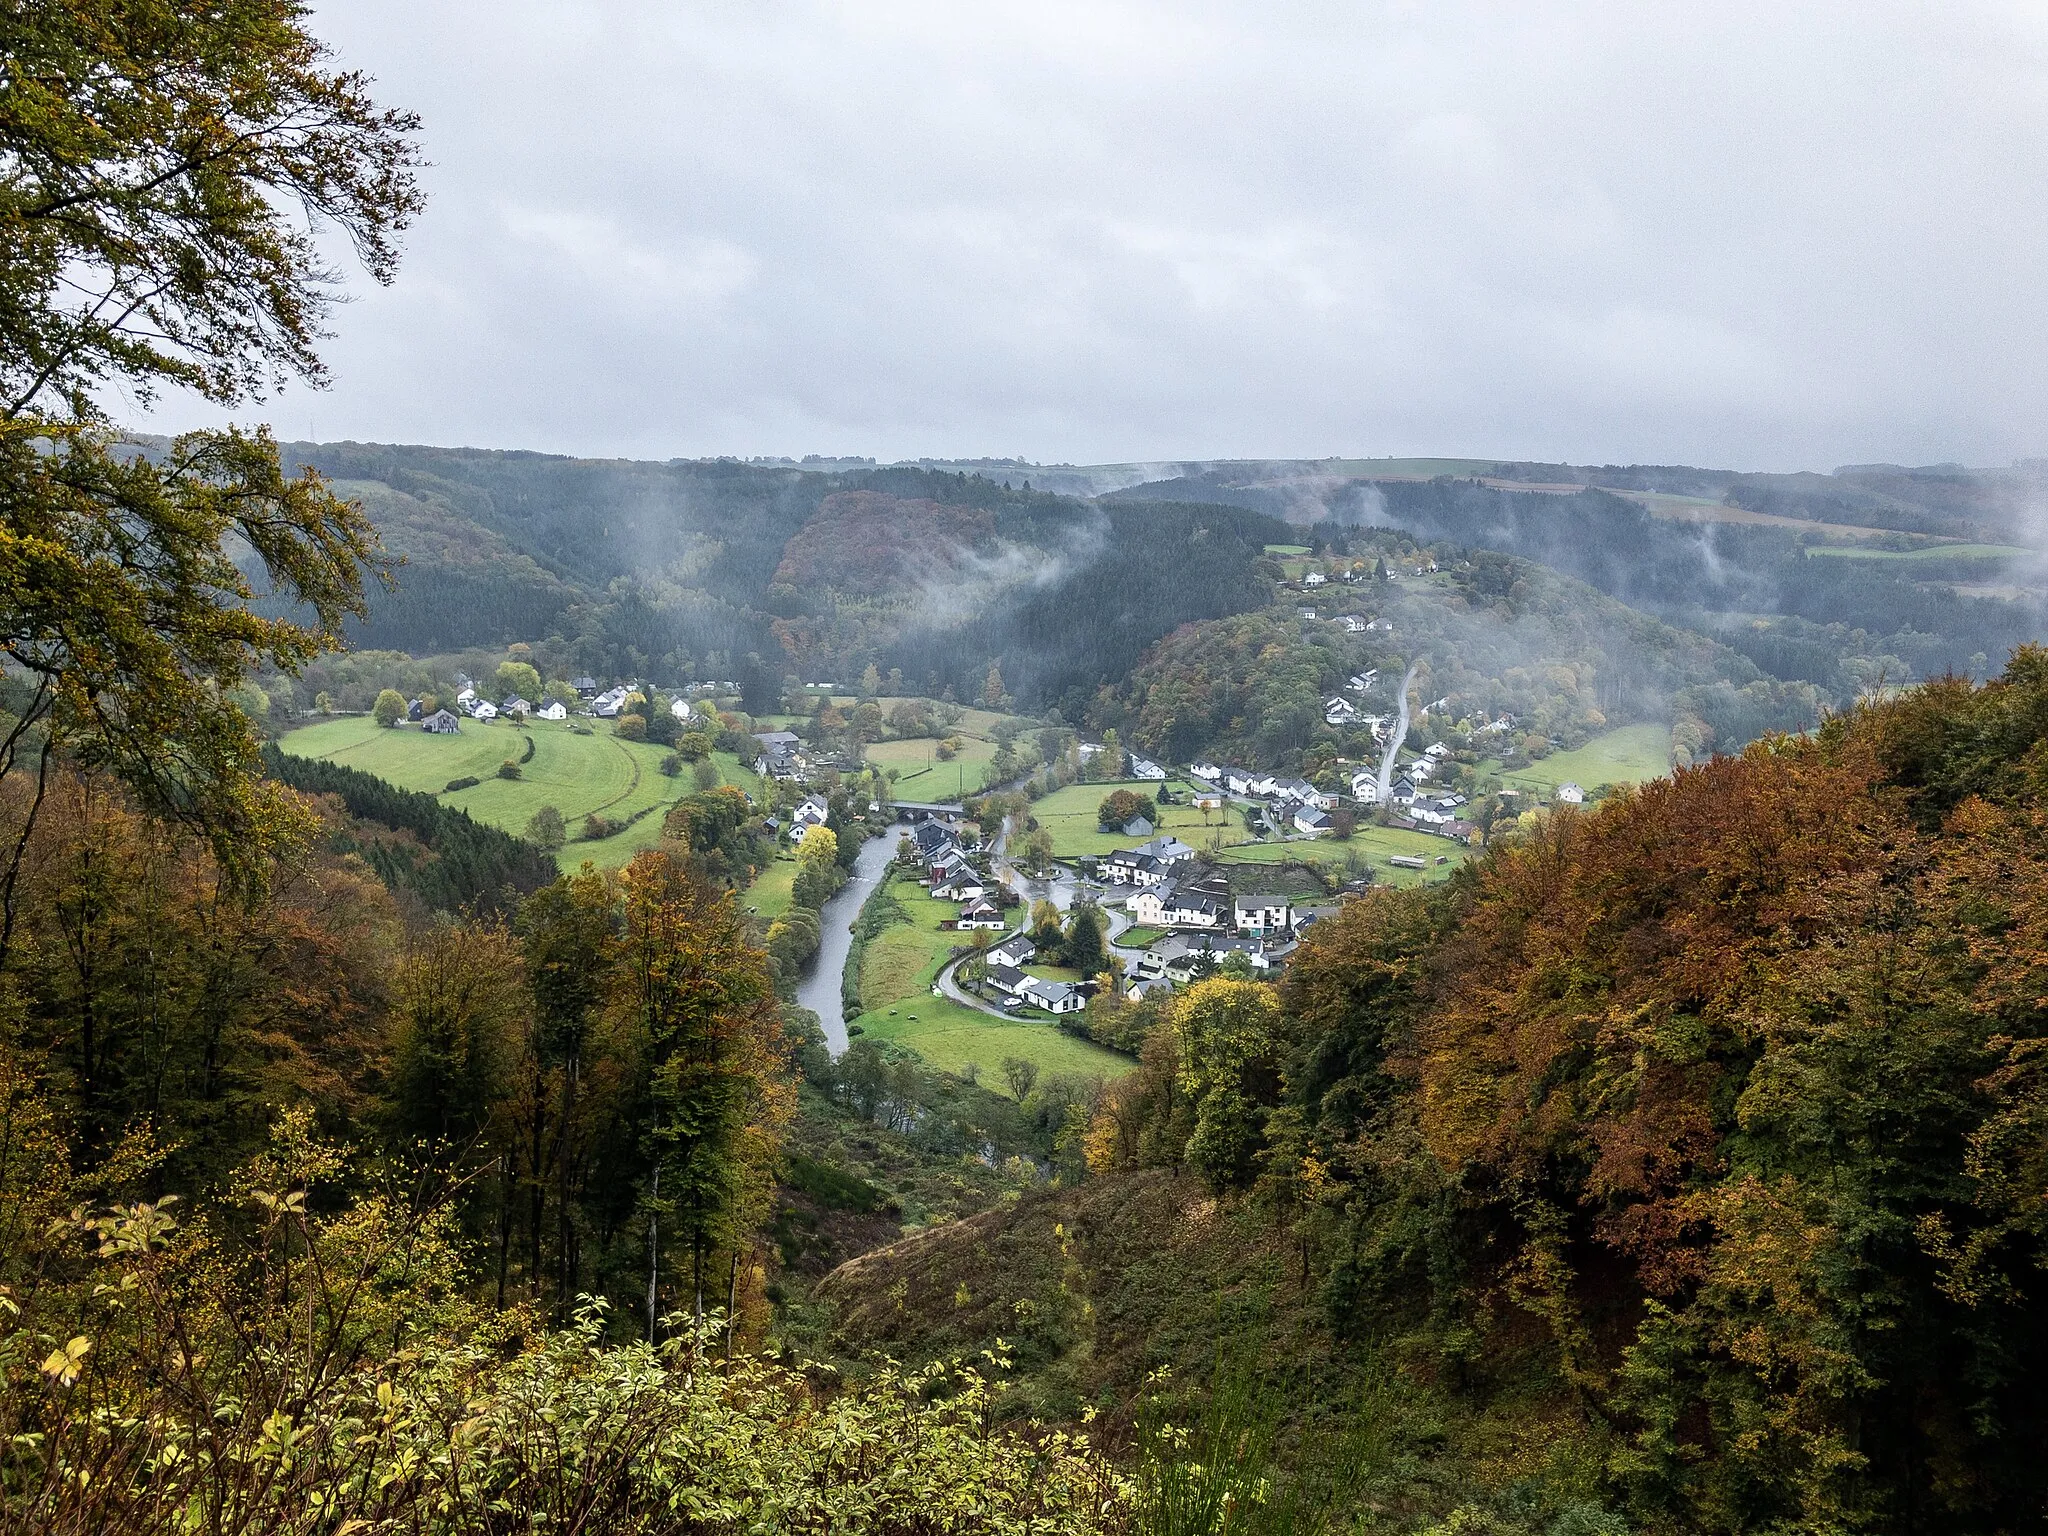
(763, 573)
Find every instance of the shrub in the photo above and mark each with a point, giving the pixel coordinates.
(455, 784)
(672, 764)
(630, 728)
(508, 769)
(597, 828)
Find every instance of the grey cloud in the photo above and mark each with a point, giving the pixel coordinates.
(1767, 236)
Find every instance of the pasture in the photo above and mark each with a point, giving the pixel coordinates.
(897, 972)
(1633, 754)
(1069, 816)
(577, 774)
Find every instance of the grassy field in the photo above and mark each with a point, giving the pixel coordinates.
(1931, 552)
(1069, 815)
(1631, 755)
(1373, 844)
(773, 889)
(920, 774)
(896, 997)
(576, 774)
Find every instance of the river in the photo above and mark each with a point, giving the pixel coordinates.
(819, 990)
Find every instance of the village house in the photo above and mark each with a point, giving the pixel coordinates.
(1207, 800)
(1569, 793)
(1138, 826)
(1053, 996)
(1013, 951)
(442, 723)
(554, 711)
(606, 705)
(483, 709)
(1200, 902)
(1206, 771)
(586, 687)
(1006, 978)
(1261, 912)
(1365, 786)
(1353, 624)
(1145, 768)
(1314, 579)
(981, 914)
(1238, 780)
(1404, 793)
(962, 885)
(1362, 682)
(1338, 710)
(810, 812)
(780, 756)
(1312, 819)
(1131, 866)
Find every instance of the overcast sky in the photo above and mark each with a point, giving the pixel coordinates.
(1770, 236)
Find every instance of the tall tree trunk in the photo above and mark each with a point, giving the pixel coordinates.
(653, 1250)
(565, 1288)
(732, 1300)
(504, 1223)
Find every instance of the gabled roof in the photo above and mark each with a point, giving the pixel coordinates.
(1008, 977)
(1017, 946)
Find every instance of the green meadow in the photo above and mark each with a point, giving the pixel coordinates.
(897, 972)
(1069, 815)
(575, 773)
(1634, 754)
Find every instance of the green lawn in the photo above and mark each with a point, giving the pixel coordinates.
(1069, 815)
(896, 998)
(576, 774)
(1631, 755)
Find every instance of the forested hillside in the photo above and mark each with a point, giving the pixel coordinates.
(751, 573)
(1492, 637)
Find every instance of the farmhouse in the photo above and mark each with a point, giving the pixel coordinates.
(1569, 793)
(1145, 768)
(442, 723)
(1312, 820)
(1314, 579)
(555, 711)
